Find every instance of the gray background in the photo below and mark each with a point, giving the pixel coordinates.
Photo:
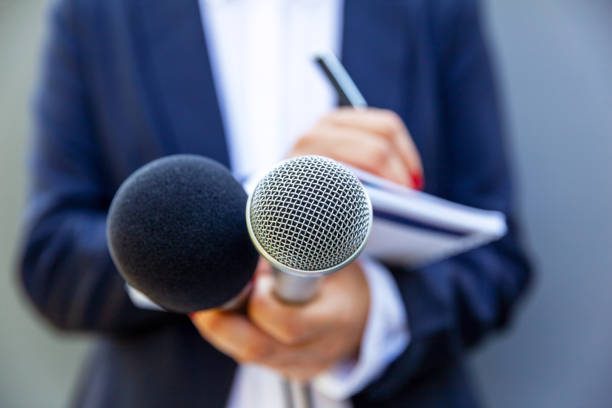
(555, 63)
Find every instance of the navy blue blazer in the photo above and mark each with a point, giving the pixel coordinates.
(126, 81)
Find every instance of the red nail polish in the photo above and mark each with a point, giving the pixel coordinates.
(417, 181)
(191, 315)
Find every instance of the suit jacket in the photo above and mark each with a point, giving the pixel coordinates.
(126, 81)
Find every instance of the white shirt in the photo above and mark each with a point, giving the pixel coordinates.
(270, 92)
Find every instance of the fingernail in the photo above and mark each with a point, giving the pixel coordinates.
(417, 181)
(191, 315)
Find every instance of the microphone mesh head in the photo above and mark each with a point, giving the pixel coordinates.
(310, 214)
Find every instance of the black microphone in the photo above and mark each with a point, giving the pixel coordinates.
(177, 233)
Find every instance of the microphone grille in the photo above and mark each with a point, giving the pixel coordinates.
(310, 214)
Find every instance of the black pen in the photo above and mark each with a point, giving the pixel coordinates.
(348, 93)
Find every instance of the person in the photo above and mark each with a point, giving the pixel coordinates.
(125, 82)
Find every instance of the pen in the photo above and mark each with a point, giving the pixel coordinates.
(348, 93)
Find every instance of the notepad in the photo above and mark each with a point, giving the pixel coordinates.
(415, 228)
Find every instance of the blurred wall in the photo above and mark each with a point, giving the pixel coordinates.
(37, 365)
(555, 61)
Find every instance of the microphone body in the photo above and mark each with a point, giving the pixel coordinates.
(176, 231)
(295, 289)
(309, 217)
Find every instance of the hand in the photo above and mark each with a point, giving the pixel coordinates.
(299, 341)
(373, 140)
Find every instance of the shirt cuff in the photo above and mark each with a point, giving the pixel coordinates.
(385, 337)
(250, 182)
(141, 301)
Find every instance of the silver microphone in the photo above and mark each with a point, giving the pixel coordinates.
(310, 216)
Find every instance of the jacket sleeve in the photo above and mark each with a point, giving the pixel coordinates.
(64, 263)
(454, 304)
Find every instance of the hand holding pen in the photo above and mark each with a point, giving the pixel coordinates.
(375, 140)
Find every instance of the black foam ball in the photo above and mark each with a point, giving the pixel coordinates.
(177, 233)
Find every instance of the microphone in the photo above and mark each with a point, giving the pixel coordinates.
(177, 232)
(310, 216)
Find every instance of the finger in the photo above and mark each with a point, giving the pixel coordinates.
(287, 323)
(356, 148)
(306, 324)
(385, 123)
(263, 268)
(397, 171)
(312, 358)
(375, 156)
(234, 335)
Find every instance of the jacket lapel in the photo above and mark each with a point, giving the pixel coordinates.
(376, 50)
(177, 72)
(383, 53)
(181, 79)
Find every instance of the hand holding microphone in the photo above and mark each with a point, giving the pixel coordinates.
(177, 232)
(299, 341)
(374, 140)
(308, 217)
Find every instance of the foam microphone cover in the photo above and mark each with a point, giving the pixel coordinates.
(177, 233)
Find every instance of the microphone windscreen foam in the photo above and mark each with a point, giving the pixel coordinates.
(177, 232)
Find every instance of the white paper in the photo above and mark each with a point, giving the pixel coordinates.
(415, 228)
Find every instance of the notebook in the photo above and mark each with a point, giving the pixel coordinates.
(415, 228)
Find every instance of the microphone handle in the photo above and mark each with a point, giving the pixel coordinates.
(296, 289)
